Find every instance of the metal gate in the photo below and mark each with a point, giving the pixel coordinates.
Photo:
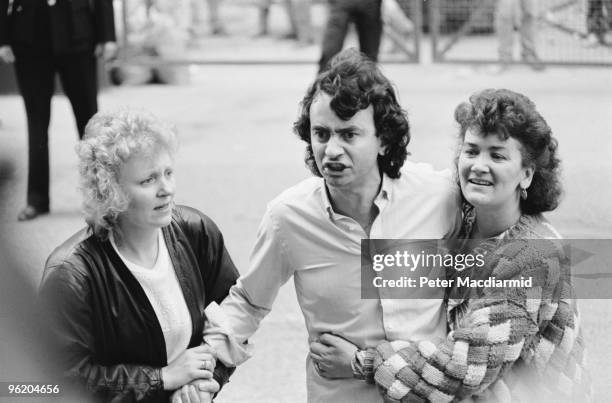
(177, 32)
(467, 31)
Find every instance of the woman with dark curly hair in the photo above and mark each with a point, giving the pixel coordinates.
(126, 295)
(508, 343)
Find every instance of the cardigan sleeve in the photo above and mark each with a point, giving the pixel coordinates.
(498, 326)
(64, 298)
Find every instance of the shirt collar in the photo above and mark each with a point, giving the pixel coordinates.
(386, 189)
(381, 199)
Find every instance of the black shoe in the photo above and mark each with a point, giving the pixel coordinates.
(30, 212)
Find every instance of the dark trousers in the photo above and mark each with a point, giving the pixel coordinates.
(365, 14)
(35, 77)
(597, 22)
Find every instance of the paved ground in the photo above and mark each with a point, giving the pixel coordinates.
(238, 152)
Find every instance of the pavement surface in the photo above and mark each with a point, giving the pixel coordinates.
(238, 152)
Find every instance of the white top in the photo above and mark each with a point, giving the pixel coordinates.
(162, 288)
(301, 236)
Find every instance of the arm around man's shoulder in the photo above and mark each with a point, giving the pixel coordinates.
(437, 189)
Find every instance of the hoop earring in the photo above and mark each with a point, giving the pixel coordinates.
(523, 194)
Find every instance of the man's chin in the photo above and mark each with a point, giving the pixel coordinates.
(336, 182)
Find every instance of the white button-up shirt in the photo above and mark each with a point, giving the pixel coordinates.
(302, 237)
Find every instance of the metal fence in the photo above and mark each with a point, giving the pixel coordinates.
(180, 31)
(471, 31)
(459, 31)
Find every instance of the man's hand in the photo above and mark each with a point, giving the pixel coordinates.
(332, 356)
(6, 54)
(107, 51)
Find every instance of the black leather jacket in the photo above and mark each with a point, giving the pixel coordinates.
(106, 330)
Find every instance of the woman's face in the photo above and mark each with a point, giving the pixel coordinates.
(148, 182)
(491, 171)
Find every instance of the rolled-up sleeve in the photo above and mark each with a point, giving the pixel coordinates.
(251, 299)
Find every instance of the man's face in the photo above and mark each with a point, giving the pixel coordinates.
(345, 151)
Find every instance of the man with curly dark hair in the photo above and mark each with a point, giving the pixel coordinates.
(356, 134)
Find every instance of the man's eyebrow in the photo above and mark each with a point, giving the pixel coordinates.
(320, 127)
(348, 129)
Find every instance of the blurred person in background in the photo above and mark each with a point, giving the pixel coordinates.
(28, 357)
(517, 14)
(365, 14)
(298, 12)
(506, 344)
(214, 18)
(43, 38)
(127, 294)
(599, 21)
(198, 26)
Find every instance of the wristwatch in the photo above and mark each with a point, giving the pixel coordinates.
(362, 365)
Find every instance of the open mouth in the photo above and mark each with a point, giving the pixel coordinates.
(334, 167)
(480, 182)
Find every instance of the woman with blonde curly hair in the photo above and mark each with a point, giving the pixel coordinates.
(127, 294)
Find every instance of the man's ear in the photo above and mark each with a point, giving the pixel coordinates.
(382, 148)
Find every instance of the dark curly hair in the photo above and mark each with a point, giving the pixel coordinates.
(510, 114)
(354, 82)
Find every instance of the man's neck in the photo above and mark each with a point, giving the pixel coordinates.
(357, 204)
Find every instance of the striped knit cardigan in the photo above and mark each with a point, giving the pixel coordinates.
(505, 345)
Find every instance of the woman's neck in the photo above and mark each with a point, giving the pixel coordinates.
(139, 245)
(490, 223)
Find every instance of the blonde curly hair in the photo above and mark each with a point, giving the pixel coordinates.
(111, 139)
